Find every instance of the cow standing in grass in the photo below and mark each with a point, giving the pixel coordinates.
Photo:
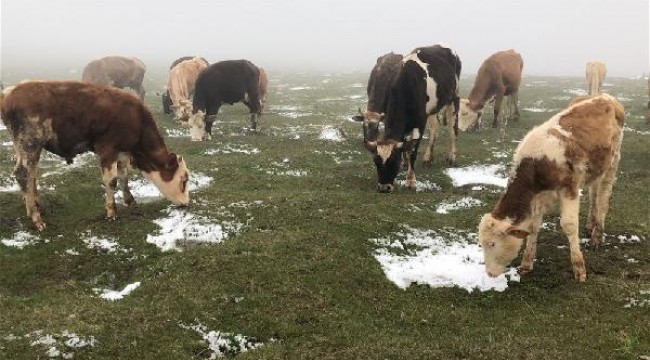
(225, 82)
(580, 146)
(117, 71)
(180, 86)
(499, 76)
(425, 83)
(166, 99)
(595, 73)
(264, 84)
(68, 118)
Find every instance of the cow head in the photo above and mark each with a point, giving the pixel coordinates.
(196, 122)
(182, 111)
(501, 242)
(371, 124)
(468, 118)
(172, 180)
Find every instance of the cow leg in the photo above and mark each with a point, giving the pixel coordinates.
(514, 97)
(122, 175)
(528, 259)
(452, 124)
(570, 208)
(591, 217)
(410, 172)
(603, 194)
(140, 91)
(434, 131)
(27, 157)
(498, 99)
(109, 166)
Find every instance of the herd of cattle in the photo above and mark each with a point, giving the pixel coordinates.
(578, 147)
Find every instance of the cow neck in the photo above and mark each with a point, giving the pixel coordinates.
(516, 203)
(481, 92)
(152, 154)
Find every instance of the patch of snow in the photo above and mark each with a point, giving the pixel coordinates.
(298, 88)
(142, 189)
(8, 143)
(536, 109)
(294, 115)
(233, 149)
(66, 341)
(293, 173)
(78, 162)
(110, 246)
(9, 185)
(2, 126)
(177, 132)
(642, 301)
(576, 92)
(223, 344)
(331, 134)
(629, 129)
(628, 239)
(20, 240)
(72, 252)
(113, 295)
(354, 97)
(421, 185)
(479, 174)
(448, 258)
(182, 225)
(329, 99)
(465, 202)
(291, 108)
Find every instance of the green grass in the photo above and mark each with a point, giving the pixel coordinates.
(303, 263)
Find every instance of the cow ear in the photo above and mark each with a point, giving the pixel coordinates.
(518, 233)
(172, 161)
(357, 118)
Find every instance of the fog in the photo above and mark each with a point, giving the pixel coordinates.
(555, 37)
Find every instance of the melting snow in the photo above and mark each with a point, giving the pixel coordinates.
(20, 240)
(233, 149)
(577, 92)
(421, 185)
(142, 189)
(177, 133)
(479, 174)
(297, 88)
(629, 129)
(444, 258)
(113, 295)
(642, 302)
(2, 126)
(109, 245)
(10, 185)
(331, 134)
(465, 202)
(536, 109)
(65, 341)
(182, 225)
(223, 344)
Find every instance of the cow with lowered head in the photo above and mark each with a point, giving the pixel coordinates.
(117, 71)
(68, 118)
(426, 82)
(166, 98)
(225, 82)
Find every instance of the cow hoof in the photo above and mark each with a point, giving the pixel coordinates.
(427, 163)
(524, 269)
(596, 237)
(40, 226)
(411, 184)
(130, 201)
(580, 276)
(450, 161)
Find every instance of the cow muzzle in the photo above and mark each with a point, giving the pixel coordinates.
(385, 188)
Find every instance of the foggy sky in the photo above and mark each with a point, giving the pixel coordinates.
(555, 37)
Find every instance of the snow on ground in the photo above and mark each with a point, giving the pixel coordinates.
(421, 185)
(8, 143)
(145, 191)
(576, 92)
(438, 258)
(56, 345)
(340, 157)
(629, 129)
(628, 239)
(181, 225)
(463, 203)
(9, 184)
(477, 174)
(233, 149)
(2, 126)
(20, 240)
(299, 88)
(78, 162)
(113, 295)
(178, 132)
(223, 344)
(643, 300)
(331, 134)
(107, 245)
(536, 109)
(294, 115)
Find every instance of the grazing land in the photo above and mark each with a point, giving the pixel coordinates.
(283, 252)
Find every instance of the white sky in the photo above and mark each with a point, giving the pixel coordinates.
(555, 37)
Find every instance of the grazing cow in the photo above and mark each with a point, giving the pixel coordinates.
(68, 118)
(381, 78)
(117, 71)
(498, 76)
(425, 83)
(225, 82)
(580, 146)
(180, 86)
(264, 84)
(595, 74)
(166, 100)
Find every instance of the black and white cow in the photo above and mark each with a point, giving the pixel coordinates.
(225, 82)
(425, 83)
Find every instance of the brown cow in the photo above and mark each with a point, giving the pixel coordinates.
(68, 118)
(180, 86)
(580, 146)
(595, 74)
(117, 71)
(498, 76)
(264, 83)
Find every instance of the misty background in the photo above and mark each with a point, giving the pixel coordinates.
(555, 37)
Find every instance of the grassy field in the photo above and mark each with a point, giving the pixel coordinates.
(293, 266)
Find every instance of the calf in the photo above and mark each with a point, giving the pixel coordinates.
(425, 83)
(225, 82)
(68, 118)
(180, 85)
(498, 76)
(166, 100)
(117, 71)
(580, 146)
(595, 74)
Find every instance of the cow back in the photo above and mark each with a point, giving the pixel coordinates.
(229, 82)
(381, 78)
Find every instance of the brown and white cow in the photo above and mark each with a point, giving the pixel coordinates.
(117, 71)
(580, 146)
(264, 84)
(499, 76)
(68, 118)
(180, 86)
(595, 73)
